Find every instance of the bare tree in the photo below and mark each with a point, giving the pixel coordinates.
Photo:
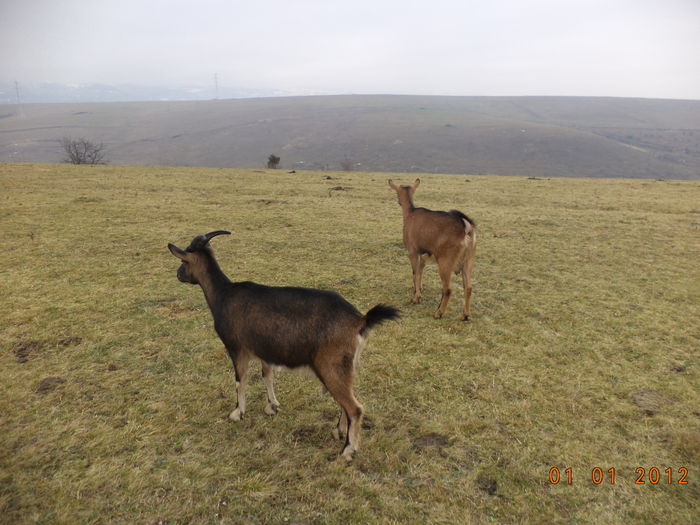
(273, 162)
(346, 164)
(83, 151)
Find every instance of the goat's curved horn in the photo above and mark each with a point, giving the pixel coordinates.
(200, 241)
(210, 235)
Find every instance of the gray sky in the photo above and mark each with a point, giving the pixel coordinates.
(630, 48)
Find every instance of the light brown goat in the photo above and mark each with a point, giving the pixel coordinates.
(448, 236)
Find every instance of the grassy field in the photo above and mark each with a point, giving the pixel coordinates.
(582, 351)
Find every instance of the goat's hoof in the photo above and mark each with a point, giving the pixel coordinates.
(415, 300)
(437, 315)
(465, 318)
(271, 409)
(236, 415)
(348, 453)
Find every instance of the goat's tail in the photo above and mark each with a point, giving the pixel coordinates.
(469, 223)
(469, 226)
(378, 315)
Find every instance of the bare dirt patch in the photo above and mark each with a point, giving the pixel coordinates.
(649, 401)
(338, 188)
(487, 484)
(267, 202)
(431, 440)
(84, 199)
(305, 433)
(49, 384)
(161, 301)
(24, 349)
(679, 367)
(70, 340)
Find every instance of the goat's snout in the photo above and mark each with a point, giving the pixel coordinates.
(184, 272)
(183, 276)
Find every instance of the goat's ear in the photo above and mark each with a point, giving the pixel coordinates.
(416, 184)
(392, 185)
(177, 252)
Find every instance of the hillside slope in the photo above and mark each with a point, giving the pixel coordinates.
(531, 136)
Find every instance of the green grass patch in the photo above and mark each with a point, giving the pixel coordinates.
(582, 351)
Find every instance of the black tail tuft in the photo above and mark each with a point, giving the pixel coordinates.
(378, 315)
(460, 215)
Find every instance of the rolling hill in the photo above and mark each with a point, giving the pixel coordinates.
(528, 136)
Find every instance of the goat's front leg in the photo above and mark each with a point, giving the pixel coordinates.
(240, 369)
(268, 377)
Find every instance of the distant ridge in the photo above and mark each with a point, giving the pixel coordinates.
(527, 136)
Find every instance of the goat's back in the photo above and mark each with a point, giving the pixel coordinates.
(286, 325)
(434, 232)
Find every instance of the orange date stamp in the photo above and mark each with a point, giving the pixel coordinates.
(642, 476)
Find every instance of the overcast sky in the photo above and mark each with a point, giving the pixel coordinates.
(628, 48)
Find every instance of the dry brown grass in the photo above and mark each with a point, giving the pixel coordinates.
(582, 351)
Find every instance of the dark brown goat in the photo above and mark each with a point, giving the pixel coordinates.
(285, 326)
(448, 236)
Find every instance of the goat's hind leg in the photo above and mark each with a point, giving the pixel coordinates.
(353, 414)
(445, 268)
(338, 378)
(268, 377)
(467, 272)
(417, 265)
(341, 428)
(467, 280)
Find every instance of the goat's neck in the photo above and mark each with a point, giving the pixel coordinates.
(213, 283)
(407, 207)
